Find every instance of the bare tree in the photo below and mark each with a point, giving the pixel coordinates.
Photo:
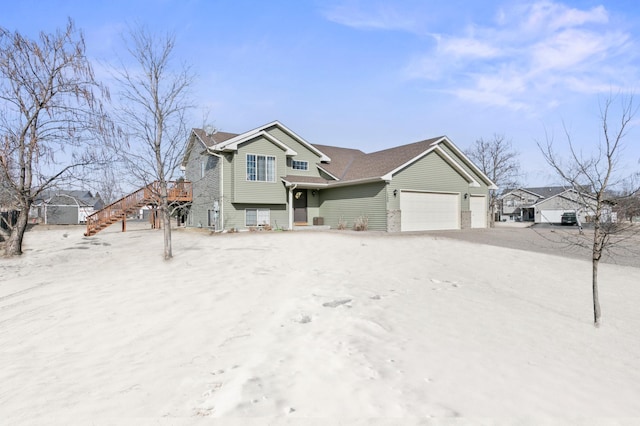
(51, 118)
(593, 176)
(499, 161)
(153, 101)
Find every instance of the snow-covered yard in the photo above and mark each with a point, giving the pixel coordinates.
(288, 325)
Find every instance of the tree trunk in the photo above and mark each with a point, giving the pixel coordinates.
(166, 222)
(166, 219)
(596, 299)
(14, 244)
(595, 261)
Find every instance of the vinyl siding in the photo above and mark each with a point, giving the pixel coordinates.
(245, 191)
(304, 154)
(206, 189)
(351, 202)
(235, 215)
(483, 189)
(568, 203)
(430, 173)
(62, 215)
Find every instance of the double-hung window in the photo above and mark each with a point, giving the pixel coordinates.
(261, 168)
(257, 217)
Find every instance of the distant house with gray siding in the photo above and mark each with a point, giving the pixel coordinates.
(547, 204)
(271, 176)
(65, 207)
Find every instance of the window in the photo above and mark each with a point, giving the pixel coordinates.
(257, 217)
(300, 165)
(261, 168)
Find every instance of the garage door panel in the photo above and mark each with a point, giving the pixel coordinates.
(429, 211)
(552, 216)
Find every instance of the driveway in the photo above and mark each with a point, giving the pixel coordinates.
(550, 239)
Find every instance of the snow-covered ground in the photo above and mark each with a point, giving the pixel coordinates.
(306, 327)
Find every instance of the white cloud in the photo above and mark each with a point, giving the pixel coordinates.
(380, 17)
(545, 16)
(532, 56)
(468, 47)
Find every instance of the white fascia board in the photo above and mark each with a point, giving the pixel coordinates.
(300, 139)
(320, 168)
(190, 147)
(234, 146)
(520, 189)
(354, 182)
(470, 163)
(238, 139)
(304, 185)
(389, 176)
(472, 182)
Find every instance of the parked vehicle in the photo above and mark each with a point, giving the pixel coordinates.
(569, 218)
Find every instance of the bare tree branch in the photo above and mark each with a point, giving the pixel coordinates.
(499, 161)
(595, 176)
(51, 115)
(153, 100)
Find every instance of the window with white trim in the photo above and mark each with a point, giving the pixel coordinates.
(257, 217)
(261, 168)
(300, 165)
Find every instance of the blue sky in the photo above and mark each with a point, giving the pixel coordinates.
(375, 74)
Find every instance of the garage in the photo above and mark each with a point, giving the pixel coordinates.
(478, 207)
(429, 211)
(552, 216)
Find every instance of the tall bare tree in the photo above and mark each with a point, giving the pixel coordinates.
(51, 118)
(499, 161)
(154, 96)
(593, 176)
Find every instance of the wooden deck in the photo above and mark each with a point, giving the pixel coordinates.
(177, 192)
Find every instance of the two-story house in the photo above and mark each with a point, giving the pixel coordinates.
(272, 176)
(547, 204)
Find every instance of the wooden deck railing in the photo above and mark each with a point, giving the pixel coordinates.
(180, 191)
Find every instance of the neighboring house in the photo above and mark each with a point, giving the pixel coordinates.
(272, 176)
(547, 204)
(65, 207)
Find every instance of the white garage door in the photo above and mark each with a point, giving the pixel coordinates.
(478, 206)
(552, 216)
(428, 211)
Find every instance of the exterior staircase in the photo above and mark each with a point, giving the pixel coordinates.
(177, 192)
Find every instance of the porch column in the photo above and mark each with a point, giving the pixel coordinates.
(290, 209)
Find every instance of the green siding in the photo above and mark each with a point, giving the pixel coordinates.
(304, 154)
(483, 188)
(245, 191)
(431, 173)
(235, 215)
(351, 202)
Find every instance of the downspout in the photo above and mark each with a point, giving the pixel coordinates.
(221, 204)
(291, 189)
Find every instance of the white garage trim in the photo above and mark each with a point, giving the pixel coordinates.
(478, 207)
(552, 216)
(429, 211)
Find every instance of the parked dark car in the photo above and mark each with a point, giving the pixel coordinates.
(569, 218)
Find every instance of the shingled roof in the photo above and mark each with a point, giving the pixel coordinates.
(213, 138)
(342, 164)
